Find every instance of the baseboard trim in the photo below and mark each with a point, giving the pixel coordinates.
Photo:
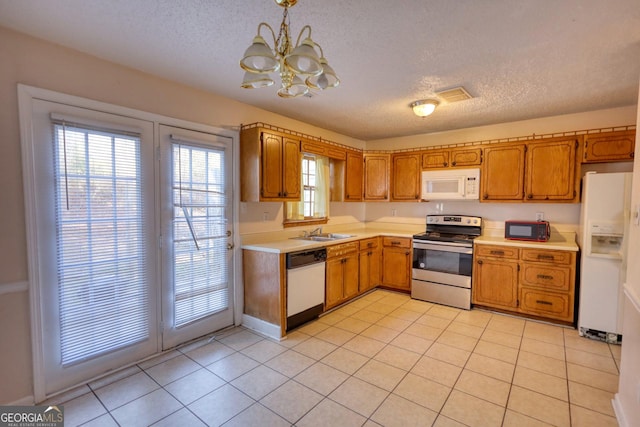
(633, 296)
(262, 327)
(617, 409)
(25, 401)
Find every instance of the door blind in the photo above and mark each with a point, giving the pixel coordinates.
(102, 285)
(200, 238)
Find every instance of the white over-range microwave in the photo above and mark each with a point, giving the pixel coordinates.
(451, 184)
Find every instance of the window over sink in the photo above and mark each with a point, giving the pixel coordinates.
(313, 208)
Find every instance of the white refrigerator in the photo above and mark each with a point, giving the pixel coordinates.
(604, 222)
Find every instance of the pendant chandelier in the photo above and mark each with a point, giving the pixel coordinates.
(299, 66)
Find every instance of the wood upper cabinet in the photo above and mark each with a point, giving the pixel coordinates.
(270, 166)
(405, 180)
(609, 146)
(396, 263)
(435, 159)
(466, 156)
(551, 171)
(495, 276)
(353, 177)
(342, 274)
(377, 170)
(502, 173)
(370, 257)
(454, 157)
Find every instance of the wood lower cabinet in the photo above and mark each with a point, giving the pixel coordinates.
(264, 277)
(342, 274)
(396, 263)
(370, 257)
(495, 277)
(547, 283)
(405, 179)
(536, 282)
(377, 171)
(616, 146)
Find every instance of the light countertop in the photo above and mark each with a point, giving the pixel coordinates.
(278, 244)
(557, 241)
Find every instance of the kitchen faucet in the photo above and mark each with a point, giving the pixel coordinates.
(315, 231)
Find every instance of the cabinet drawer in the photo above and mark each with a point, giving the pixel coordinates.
(368, 243)
(396, 242)
(505, 252)
(542, 255)
(342, 249)
(557, 306)
(547, 277)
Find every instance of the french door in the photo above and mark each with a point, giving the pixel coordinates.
(130, 235)
(196, 235)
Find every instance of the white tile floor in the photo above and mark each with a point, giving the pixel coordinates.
(383, 359)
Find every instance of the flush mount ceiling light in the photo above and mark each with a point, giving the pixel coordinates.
(424, 107)
(299, 66)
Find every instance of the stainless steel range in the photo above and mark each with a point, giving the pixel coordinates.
(443, 260)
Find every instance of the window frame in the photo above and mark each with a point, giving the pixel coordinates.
(308, 220)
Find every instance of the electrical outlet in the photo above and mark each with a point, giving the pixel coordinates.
(539, 216)
(393, 212)
(265, 216)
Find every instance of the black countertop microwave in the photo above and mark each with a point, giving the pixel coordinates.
(534, 231)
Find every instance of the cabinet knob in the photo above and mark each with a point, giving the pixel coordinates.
(529, 196)
(284, 194)
(445, 164)
(453, 163)
(480, 262)
(485, 196)
(631, 155)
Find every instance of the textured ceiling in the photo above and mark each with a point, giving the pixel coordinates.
(519, 59)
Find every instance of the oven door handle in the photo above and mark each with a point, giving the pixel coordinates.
(461, 248)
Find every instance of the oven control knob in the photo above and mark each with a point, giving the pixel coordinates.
(422, 265)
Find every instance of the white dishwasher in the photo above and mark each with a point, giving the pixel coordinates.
(305, 286)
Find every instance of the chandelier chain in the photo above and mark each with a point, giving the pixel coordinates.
(283, 42)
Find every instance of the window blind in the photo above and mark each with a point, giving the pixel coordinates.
(200, 238)
(103, 297)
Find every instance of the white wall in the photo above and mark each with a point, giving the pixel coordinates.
(627, 400)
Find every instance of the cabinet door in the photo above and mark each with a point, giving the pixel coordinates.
(551, 171)
(396, 268)
(351, 275)
(291, 169)
(502, 175)
(271, 166)
(376, 176)
(609, 146)
(333, 282)
(406, 178)
(369, 269)
(465, 157)
(353, 177)
(495, 283)
(435, 159)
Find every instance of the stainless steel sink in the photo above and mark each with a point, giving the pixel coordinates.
(324, 237)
